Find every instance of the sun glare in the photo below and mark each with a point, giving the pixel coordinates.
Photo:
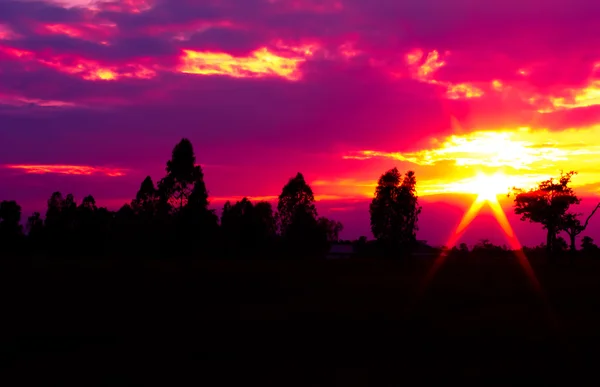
(486, 187)
(489, 187)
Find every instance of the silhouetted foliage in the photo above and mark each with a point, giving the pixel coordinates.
(486, 246)
(184, 191)
(35, 232)
(247, 229)
(297, 218)
(331, 228)
(395, 211)
(59, 224)
(547, 204)
(589, 247)
(11, 230)
(172, 219)
(571, 224)
(183, 178)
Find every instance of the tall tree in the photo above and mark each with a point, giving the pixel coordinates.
(297, 216)
(296, 197)
(547, 204)
(146, 200)
(184, 178)
(395, 210)
(183, 188)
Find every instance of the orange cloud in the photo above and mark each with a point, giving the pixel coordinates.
(423, 68)
(558, 99)
(501, 158)
(68, 169)
(87, 69)
(260, 63)
(587, 96)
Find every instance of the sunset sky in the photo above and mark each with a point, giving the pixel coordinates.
(95, 94)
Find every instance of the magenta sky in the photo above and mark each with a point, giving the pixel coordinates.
(93, 96)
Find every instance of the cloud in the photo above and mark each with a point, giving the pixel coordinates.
(259, 63)
(268, 88)
(68, 170)
(519, 157)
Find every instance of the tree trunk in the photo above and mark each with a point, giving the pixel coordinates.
(573, 246)
(573, 249)
(551, 243)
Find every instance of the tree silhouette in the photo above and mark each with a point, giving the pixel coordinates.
(35, 226)
(11, 230)
(92, 228)
(146, 200)
(296, 197)
(184, 177)
(55, 228)
(331, 228)
(265, 219)
(547, 204)
(183, 188)
(560, 244)
(247, 228)
(571, 224)
(588, 245)
(297, 216)
(395, 210)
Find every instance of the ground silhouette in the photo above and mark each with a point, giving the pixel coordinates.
(298, 322)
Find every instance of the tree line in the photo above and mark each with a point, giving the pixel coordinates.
(172, 219)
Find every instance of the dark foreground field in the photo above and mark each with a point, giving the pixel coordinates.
(312, 323)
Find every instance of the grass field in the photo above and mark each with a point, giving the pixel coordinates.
(287, 323)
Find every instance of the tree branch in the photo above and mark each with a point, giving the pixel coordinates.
(590, 217)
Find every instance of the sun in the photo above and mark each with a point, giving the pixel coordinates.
(488, 187)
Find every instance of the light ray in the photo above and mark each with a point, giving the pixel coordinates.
(466, 220)
(513, 241)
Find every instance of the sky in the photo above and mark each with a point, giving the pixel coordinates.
(95, 94)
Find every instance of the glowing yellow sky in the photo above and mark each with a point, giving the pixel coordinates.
(503, 158)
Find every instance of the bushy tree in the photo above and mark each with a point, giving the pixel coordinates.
(547, 205)
(571, 224)
(395, 210)
(183, 189)
(183, 178)
(297, 216)
(588, 245)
